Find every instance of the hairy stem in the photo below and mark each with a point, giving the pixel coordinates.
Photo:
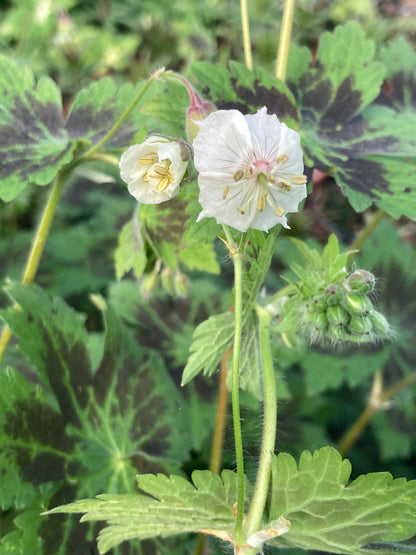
(38, 245)
(235, 393)
(246, 34)
(284, 42)
(269, 427)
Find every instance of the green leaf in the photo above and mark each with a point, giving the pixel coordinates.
(327, 370)
(176, 507)
(211, 339)
(171, 230)
(130, 253)
(97, 108)
(327, 514)
(369, 149)
(245, 90)
(33, 143)
(80, 433)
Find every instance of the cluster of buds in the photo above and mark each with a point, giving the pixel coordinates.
(344, 312)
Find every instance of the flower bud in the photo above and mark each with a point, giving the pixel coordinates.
(360, 326)
(318, 304)
(380, 325)
(361, 282)
(319, 321)
(149, 284)
(166, 277)
(197, 111)
(337, 315)
(333, 295)
(181, 283)
(358, 305)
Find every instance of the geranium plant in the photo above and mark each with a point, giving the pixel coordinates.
(95, 412)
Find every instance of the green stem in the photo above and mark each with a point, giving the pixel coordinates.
(284, 42)
(123, 118)
(235, 393)
(38, 245)
(246, 34)
(258, 502)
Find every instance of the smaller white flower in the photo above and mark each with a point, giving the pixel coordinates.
(153, 170)
(250, 169)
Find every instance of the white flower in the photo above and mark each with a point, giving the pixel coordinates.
(153, 170)
(250, 169)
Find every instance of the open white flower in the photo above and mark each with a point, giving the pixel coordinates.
(154, 169)
(250, 169)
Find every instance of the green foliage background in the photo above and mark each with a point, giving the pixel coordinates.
(91, 394)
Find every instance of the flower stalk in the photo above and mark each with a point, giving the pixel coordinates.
(284, 41)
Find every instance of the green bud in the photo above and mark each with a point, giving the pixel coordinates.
(333, 295)
(336, 333)
(380, 325)
(149, 284)
(318, 304)
(358, 305)
(167, 280)
(319, 321)
(337, 315)
(181, 284)
(361, 282)
(360, 326)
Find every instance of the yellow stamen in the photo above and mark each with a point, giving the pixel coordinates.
(285, 185)
(271, 179)
(282, 158)
(225, 192)
(261, 203)
(147, 160)
(241, 210)
(161, 170)
(238, 175)
(163, 184)
(279, 211)
(146, 177)
(299, 179)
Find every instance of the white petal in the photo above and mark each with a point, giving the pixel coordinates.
(223, 142)
(226, 211)
(290, 145)
(265, 130)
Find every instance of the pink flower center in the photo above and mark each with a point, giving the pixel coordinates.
(260, 166)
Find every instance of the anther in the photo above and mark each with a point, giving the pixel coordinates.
(238, 175)
(146, 161)
(279, 211)
(161, 170)
(271, 179)
(225, 192)
(282, 158)
(163, 184)
(299, 179)
(241, 210)
(146, 177)
(285, 185)
(261, 203)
